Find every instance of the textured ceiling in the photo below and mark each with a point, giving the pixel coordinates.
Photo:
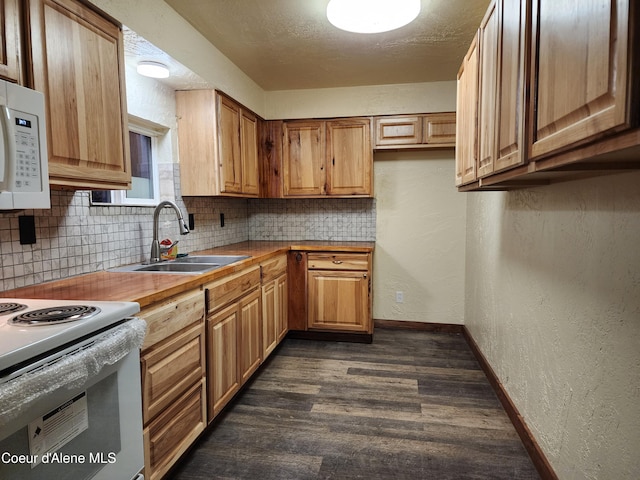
(289, 44)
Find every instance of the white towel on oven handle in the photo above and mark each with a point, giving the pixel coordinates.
(70, 371)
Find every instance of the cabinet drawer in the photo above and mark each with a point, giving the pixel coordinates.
(227, 289)
(171, 434)
(274, 268)
(338, 261)
(171, 369)
(171, 316)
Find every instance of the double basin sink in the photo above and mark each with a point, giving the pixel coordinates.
(187, 265)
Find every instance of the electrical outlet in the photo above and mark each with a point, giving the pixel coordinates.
(399, 296)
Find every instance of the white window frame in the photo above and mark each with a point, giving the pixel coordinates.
(119, 197)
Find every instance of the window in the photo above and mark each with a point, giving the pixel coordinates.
(143, 145)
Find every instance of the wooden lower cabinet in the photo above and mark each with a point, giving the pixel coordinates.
(170, 435)
(173, 369)
(274, 303)
(250, 348)
(330, 292)
(234, 329)
(222, 359)
(274, 313)
(339, 300)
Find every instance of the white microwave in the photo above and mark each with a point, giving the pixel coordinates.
(24, 172)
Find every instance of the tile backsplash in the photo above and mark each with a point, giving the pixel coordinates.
(349, 219)
(74, 237)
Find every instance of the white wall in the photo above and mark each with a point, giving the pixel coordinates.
(158, 23)
(553, 301)
(362, 101)
(420, 238)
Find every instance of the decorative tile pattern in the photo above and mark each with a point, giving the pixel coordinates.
(349, 219)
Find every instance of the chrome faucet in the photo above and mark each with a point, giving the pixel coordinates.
(155, 245)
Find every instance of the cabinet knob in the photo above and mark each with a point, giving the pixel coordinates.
(364, 275)
(337, 262)
(298, 257)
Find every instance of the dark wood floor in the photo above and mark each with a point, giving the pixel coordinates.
(411, 405)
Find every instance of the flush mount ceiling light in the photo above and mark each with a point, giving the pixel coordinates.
(153, 69)
(372, 16)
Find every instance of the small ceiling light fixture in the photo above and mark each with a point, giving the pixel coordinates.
(372, 16)
(153, 69)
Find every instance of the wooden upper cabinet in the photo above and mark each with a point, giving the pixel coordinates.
(467, 111)
(10, 41)
(439, 129)
(218, 145)
(580, 77)
(398, 130)
(327, 157)
(510, 96)
(229, 146)
(349, 157)
(78, 63)
(415, 131)
(488, 67)
(304, 172)
(249, 144)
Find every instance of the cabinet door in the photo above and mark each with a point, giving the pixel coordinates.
(229, 151)
(222, 355)
(197, 142)
(78, 64)
(250, 348)
(269, 317)
(172, 368)
(510, 83)
(467, 120)
(274, 313)
(579, 76)
(249, 143)
(282, 302)
(10, 53)
(398, 130)
(488, 38)
(349, 157)
(173, 432)
(338, 300)
(304, 159)
(439, 129)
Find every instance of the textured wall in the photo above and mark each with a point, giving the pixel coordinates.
(420, 238)
(553, 300)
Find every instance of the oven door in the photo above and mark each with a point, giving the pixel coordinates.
(84, 429)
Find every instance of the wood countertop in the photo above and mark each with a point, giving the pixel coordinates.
(147, 288)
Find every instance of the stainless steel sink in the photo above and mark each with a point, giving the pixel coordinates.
(185, 265)
(211, 259)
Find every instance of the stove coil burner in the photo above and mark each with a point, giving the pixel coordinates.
(11, 307)
(54, 315)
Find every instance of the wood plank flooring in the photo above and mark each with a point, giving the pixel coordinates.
(411, 405)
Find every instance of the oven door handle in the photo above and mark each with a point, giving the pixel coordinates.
(70, 368)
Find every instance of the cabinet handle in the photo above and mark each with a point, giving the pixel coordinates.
(337, 262)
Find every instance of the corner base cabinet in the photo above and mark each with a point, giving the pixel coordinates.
(337, 292)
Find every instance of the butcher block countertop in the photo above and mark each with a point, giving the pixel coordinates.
(148, 288)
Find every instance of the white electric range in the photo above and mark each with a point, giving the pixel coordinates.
(70, 396)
